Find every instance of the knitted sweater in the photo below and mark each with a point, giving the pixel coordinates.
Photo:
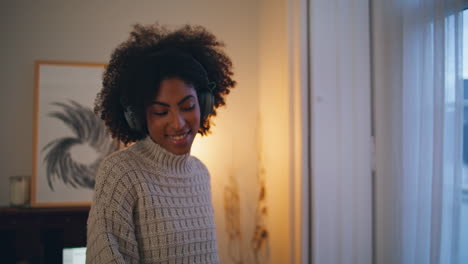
(151, 206)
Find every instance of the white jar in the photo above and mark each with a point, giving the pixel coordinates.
(19, 190)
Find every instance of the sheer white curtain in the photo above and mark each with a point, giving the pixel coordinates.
(340, 132)
(418, 128)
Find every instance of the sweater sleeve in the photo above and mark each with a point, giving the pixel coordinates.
(111, 229)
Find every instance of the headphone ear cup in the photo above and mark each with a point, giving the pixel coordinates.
(132, 121)
(206, 101)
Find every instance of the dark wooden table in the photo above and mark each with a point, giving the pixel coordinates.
(38, 235)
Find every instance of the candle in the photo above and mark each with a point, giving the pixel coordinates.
(19, 190)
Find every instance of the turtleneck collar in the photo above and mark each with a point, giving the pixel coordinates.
(163, 158)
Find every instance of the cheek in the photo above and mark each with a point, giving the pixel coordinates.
(154, 125)
(196, 118)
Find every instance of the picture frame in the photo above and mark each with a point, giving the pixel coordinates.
(69, 140)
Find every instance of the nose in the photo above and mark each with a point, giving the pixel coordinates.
(177, 121)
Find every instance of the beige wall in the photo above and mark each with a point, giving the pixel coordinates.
(75, 31)
(255, 34)
(275, 121)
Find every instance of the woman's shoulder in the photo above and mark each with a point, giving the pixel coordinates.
(114, 179)
(198, 165)
(117, 158)
(118, 164)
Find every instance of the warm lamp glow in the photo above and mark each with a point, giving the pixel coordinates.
(215, 151)
(202, 149)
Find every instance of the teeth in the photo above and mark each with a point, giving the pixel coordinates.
(179, 137)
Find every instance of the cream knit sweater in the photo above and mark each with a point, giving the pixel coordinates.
(151, 206)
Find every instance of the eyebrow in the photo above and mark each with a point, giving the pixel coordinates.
(179, 103)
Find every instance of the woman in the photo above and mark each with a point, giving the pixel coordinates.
(152, 201)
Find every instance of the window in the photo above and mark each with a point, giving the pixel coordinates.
(464, 206)
(465, 104)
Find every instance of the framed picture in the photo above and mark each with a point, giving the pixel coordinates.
(69, 139)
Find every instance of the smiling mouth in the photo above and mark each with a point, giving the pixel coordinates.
(179, 138)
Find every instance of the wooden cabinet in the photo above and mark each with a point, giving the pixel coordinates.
(38, 235)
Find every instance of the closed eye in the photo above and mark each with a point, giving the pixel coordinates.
(160, 113)
(190, 108)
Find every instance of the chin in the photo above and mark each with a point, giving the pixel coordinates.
(180, 150)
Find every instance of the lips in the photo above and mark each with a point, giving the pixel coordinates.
(180, 138)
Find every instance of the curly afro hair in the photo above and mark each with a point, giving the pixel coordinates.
(151, 54)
